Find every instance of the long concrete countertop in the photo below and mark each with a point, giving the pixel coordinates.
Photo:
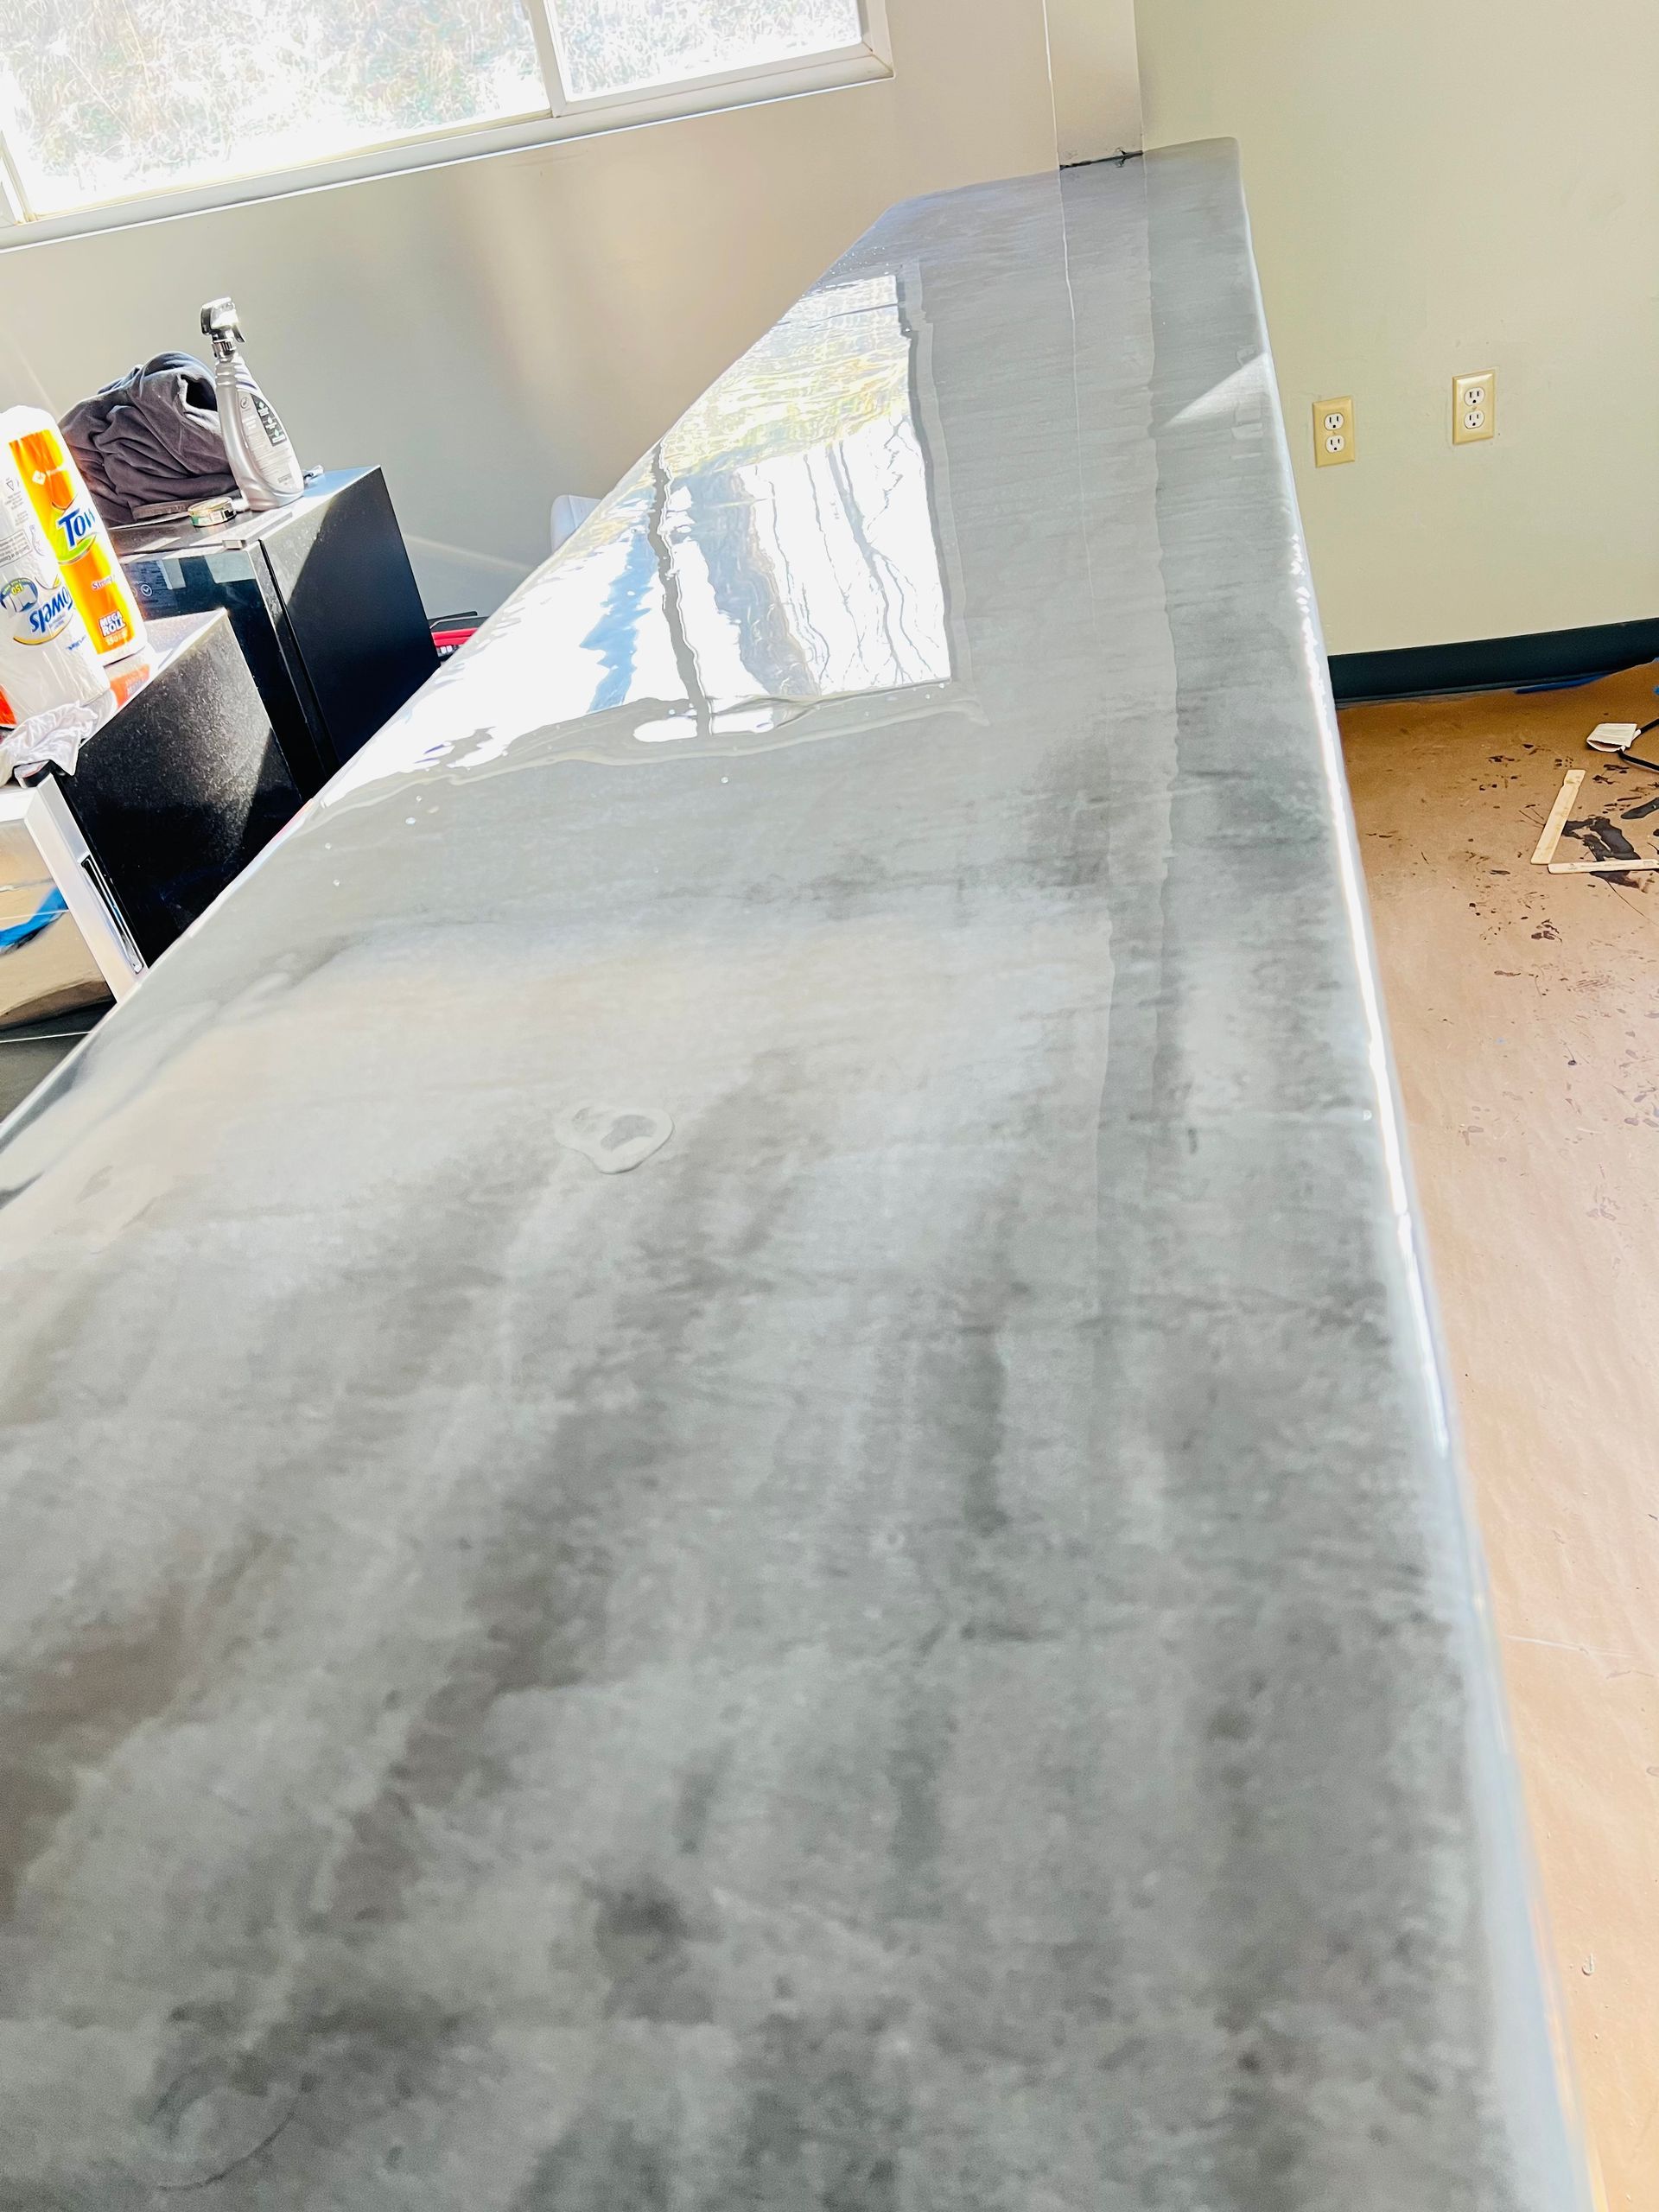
(725, 1479)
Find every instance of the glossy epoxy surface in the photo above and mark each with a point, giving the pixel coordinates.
(913, 1647)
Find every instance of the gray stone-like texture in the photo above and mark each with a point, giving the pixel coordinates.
(914, 1648)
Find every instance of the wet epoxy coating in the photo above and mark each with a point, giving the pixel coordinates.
(914, 1650)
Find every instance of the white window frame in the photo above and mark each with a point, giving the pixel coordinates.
(867, 61)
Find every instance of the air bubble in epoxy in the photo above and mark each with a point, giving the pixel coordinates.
(614, 1138)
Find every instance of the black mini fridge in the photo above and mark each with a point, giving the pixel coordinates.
(323, 602)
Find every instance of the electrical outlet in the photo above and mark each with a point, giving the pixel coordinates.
(1474, 407)
(1333, 432)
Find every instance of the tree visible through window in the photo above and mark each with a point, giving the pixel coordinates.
(103, 99)
(614, 44)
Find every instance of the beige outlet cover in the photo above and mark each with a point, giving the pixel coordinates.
(1333, 432)
(1474, 407)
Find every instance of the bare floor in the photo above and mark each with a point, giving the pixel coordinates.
(1524, 1009)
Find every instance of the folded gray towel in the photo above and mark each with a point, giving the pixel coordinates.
(151, 436)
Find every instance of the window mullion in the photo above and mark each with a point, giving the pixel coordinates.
(14, 199)
(545, 32)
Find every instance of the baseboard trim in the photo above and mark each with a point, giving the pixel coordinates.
(1493, 663)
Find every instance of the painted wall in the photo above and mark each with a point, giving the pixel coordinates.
(1095, 76)
(1434, 189)
(495, 332)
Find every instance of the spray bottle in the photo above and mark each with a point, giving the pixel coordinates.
(262, 460)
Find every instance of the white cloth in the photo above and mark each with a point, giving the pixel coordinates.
(55, 735)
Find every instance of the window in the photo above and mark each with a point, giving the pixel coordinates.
(105, 103)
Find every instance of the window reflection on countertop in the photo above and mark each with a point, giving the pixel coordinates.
(785, 550)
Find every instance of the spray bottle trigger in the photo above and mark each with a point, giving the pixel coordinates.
(219, 319)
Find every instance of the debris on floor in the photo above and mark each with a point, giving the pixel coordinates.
(1598, 844)
(1551, 834)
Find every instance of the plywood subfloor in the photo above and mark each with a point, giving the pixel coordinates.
(1524, 1009)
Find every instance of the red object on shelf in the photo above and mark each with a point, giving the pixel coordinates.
(449, 641)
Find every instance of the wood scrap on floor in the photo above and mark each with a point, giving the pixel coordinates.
(1602, 841)
(1600, 867)
(1551, 836)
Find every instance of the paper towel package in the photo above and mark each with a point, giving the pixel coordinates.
(77, 533)
(47, 657)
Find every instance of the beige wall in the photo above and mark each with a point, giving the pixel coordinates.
(497, 331)
(1096, 82)
(1436, 189)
